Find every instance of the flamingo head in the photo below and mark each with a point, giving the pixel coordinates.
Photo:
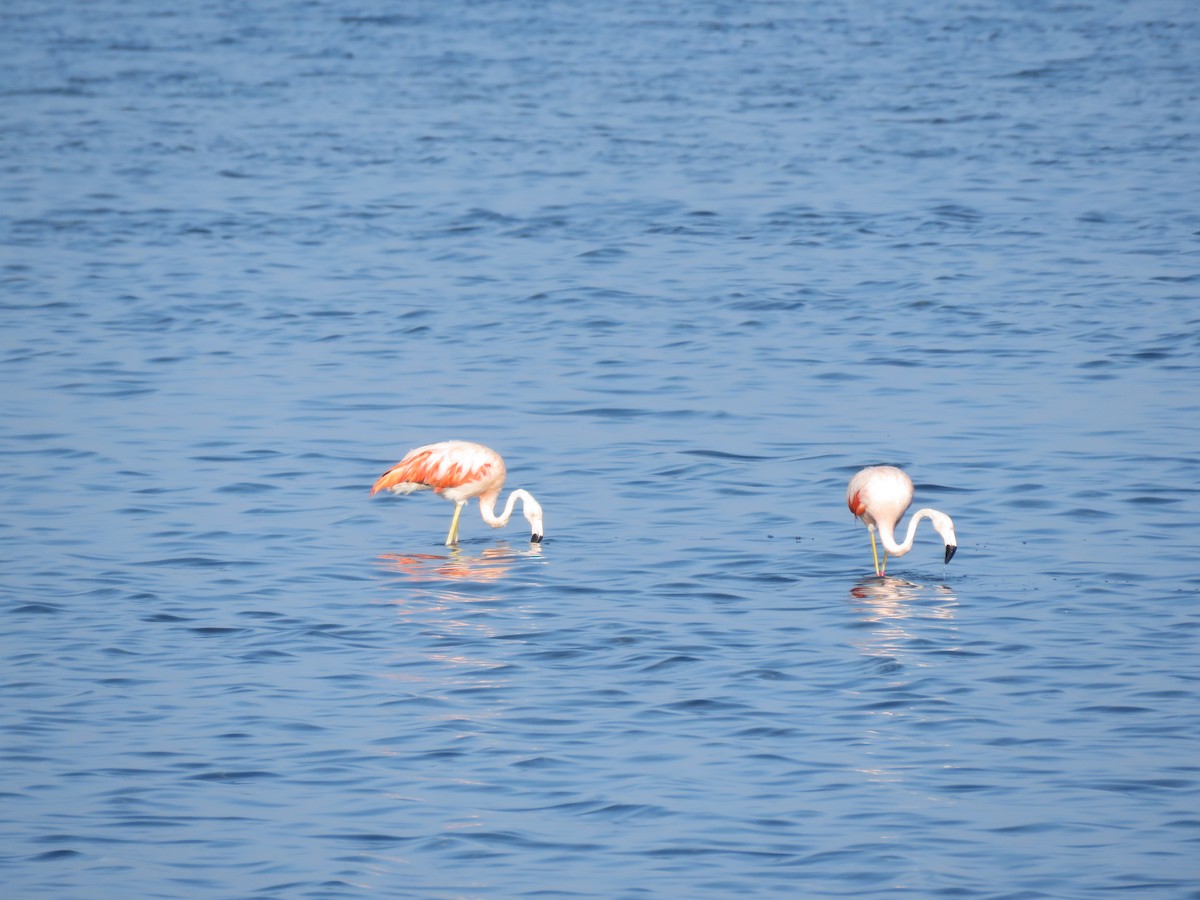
(944, 526)
(533, 512)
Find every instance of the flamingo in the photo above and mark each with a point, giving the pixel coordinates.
(460, 470)
(879, 495)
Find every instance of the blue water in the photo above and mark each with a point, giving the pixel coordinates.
(688, 266)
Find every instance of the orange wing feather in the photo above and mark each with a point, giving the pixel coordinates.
(856, 505)
(432, 467)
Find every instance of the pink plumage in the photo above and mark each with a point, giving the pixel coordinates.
(460, 470)
(879, 496)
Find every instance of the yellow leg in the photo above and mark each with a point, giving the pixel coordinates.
(875, 554)
(452, 537)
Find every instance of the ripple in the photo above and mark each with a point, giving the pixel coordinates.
(778, 246)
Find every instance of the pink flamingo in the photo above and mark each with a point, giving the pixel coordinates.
(880, 495)
(460, 470)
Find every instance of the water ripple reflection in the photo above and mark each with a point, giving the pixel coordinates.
(890, 606)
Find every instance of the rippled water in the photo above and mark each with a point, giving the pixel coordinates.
(687, 267)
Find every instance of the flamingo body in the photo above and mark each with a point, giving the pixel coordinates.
(879, 496)
(460, 470)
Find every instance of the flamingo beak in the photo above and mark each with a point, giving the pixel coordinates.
(950, 550)
(535, 538)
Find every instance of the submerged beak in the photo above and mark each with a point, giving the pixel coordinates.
(535, 539)
(950, 550)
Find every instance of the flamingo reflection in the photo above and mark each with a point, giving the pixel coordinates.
(887, 603)
(491, 564)
(447, 595)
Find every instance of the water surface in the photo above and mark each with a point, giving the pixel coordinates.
(688, 268)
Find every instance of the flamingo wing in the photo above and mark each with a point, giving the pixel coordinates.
(857, 491)
(441, 467)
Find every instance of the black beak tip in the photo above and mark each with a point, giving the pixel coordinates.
(535, 539)
(951, 549)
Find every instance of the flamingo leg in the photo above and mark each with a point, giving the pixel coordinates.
(452, 537)
(875, 554)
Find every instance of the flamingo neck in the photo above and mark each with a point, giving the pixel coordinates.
(487, 507)
(888, 538)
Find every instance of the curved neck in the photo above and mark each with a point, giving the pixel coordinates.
(487, 507)
(888, 539)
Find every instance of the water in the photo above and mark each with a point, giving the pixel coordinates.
(687, 267)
